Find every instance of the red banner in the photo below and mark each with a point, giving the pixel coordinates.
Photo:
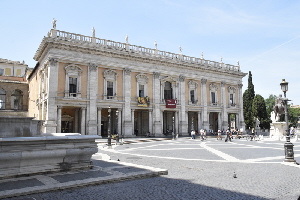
(171, 103)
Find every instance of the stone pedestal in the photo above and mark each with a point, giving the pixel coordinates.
(277, 129)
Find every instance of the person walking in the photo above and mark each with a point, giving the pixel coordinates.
(228, 132)
(219, 135)
(193, 134)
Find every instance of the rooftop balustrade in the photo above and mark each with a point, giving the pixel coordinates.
(138, 50)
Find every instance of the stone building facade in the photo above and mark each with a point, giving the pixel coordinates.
(13, 87)
(90, 85)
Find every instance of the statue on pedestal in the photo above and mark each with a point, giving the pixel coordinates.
(278, 107)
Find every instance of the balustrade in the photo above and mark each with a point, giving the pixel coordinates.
(140, 50)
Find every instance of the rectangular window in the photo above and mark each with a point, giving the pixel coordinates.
(231, 99)
(110, 89)
(141, 91)
(72, 86)
(192, 93)
(18, 72)
(7, 71)
(1, 72)
(213, 97)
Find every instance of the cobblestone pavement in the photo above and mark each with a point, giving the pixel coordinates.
(199, 170)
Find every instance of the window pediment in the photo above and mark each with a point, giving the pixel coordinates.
(213, 87)
(231, 89)
(142, 78)
(110, 74)
(73, 70)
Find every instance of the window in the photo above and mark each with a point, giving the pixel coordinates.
(7, 71)
(192, 94)
(16, 100)
(231, 99)
(168, 91)
(18, 72)
(2, 98)
(213, 93)
(72, 86)
(110, 89)
(213, 97)
(73, 77)
(231, 92)
(1, 72)
(141, 91)
(110, 82)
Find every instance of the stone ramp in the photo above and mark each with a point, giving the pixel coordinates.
(104, 171)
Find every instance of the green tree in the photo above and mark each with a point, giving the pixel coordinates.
(293, 116)
(248, 97)
(270, 102)
(260, 112)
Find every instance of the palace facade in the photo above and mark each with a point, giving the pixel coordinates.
(90, 85)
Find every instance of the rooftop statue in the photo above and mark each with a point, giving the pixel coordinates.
(54, 23)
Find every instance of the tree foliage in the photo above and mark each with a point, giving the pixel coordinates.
(293, 116)
(270, 102)
(248, 97)
(260, 112)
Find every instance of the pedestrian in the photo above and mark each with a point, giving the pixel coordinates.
(173, 135)
(193, 134)
(219, 135)
(228, 132)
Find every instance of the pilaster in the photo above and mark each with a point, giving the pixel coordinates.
(127, 115)
(92, 94)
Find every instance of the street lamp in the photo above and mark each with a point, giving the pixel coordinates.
(288, 146)
(108, 129)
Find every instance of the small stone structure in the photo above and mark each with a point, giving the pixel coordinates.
(13, 126)
(31, 155)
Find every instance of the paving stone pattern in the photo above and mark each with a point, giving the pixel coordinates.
(199, 170)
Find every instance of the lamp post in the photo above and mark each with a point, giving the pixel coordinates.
(288, 146)
(108, 129)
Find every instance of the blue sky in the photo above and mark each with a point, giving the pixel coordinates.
(263, 35)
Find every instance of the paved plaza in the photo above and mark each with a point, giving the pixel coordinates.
(210, 169)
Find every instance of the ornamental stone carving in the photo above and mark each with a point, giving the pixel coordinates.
(127, 71)
(73, 69)
(142, 78)
(93, 67)
(231, 89)
(203, 81)
(53, 61)
(223, 83)
(181, 78)
(156, 74)
(213, 87)
(192, 84)
(240, 86)
(110, 73)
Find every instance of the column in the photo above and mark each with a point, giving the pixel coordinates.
(157, 119)
(150, 122)
(76, 120)
(132, 120)
(183, 124)
(83, 111)
(119, 122)
(51, 111)
(219, 121)
(176, 131)
(205, 120)
(199, 121)
(128, 125)
(240, 103)
(58, 128)
(224, 106)
(92, 97)
(99, 112)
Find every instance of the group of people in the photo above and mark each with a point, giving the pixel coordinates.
(202, 134)
(229, 134)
